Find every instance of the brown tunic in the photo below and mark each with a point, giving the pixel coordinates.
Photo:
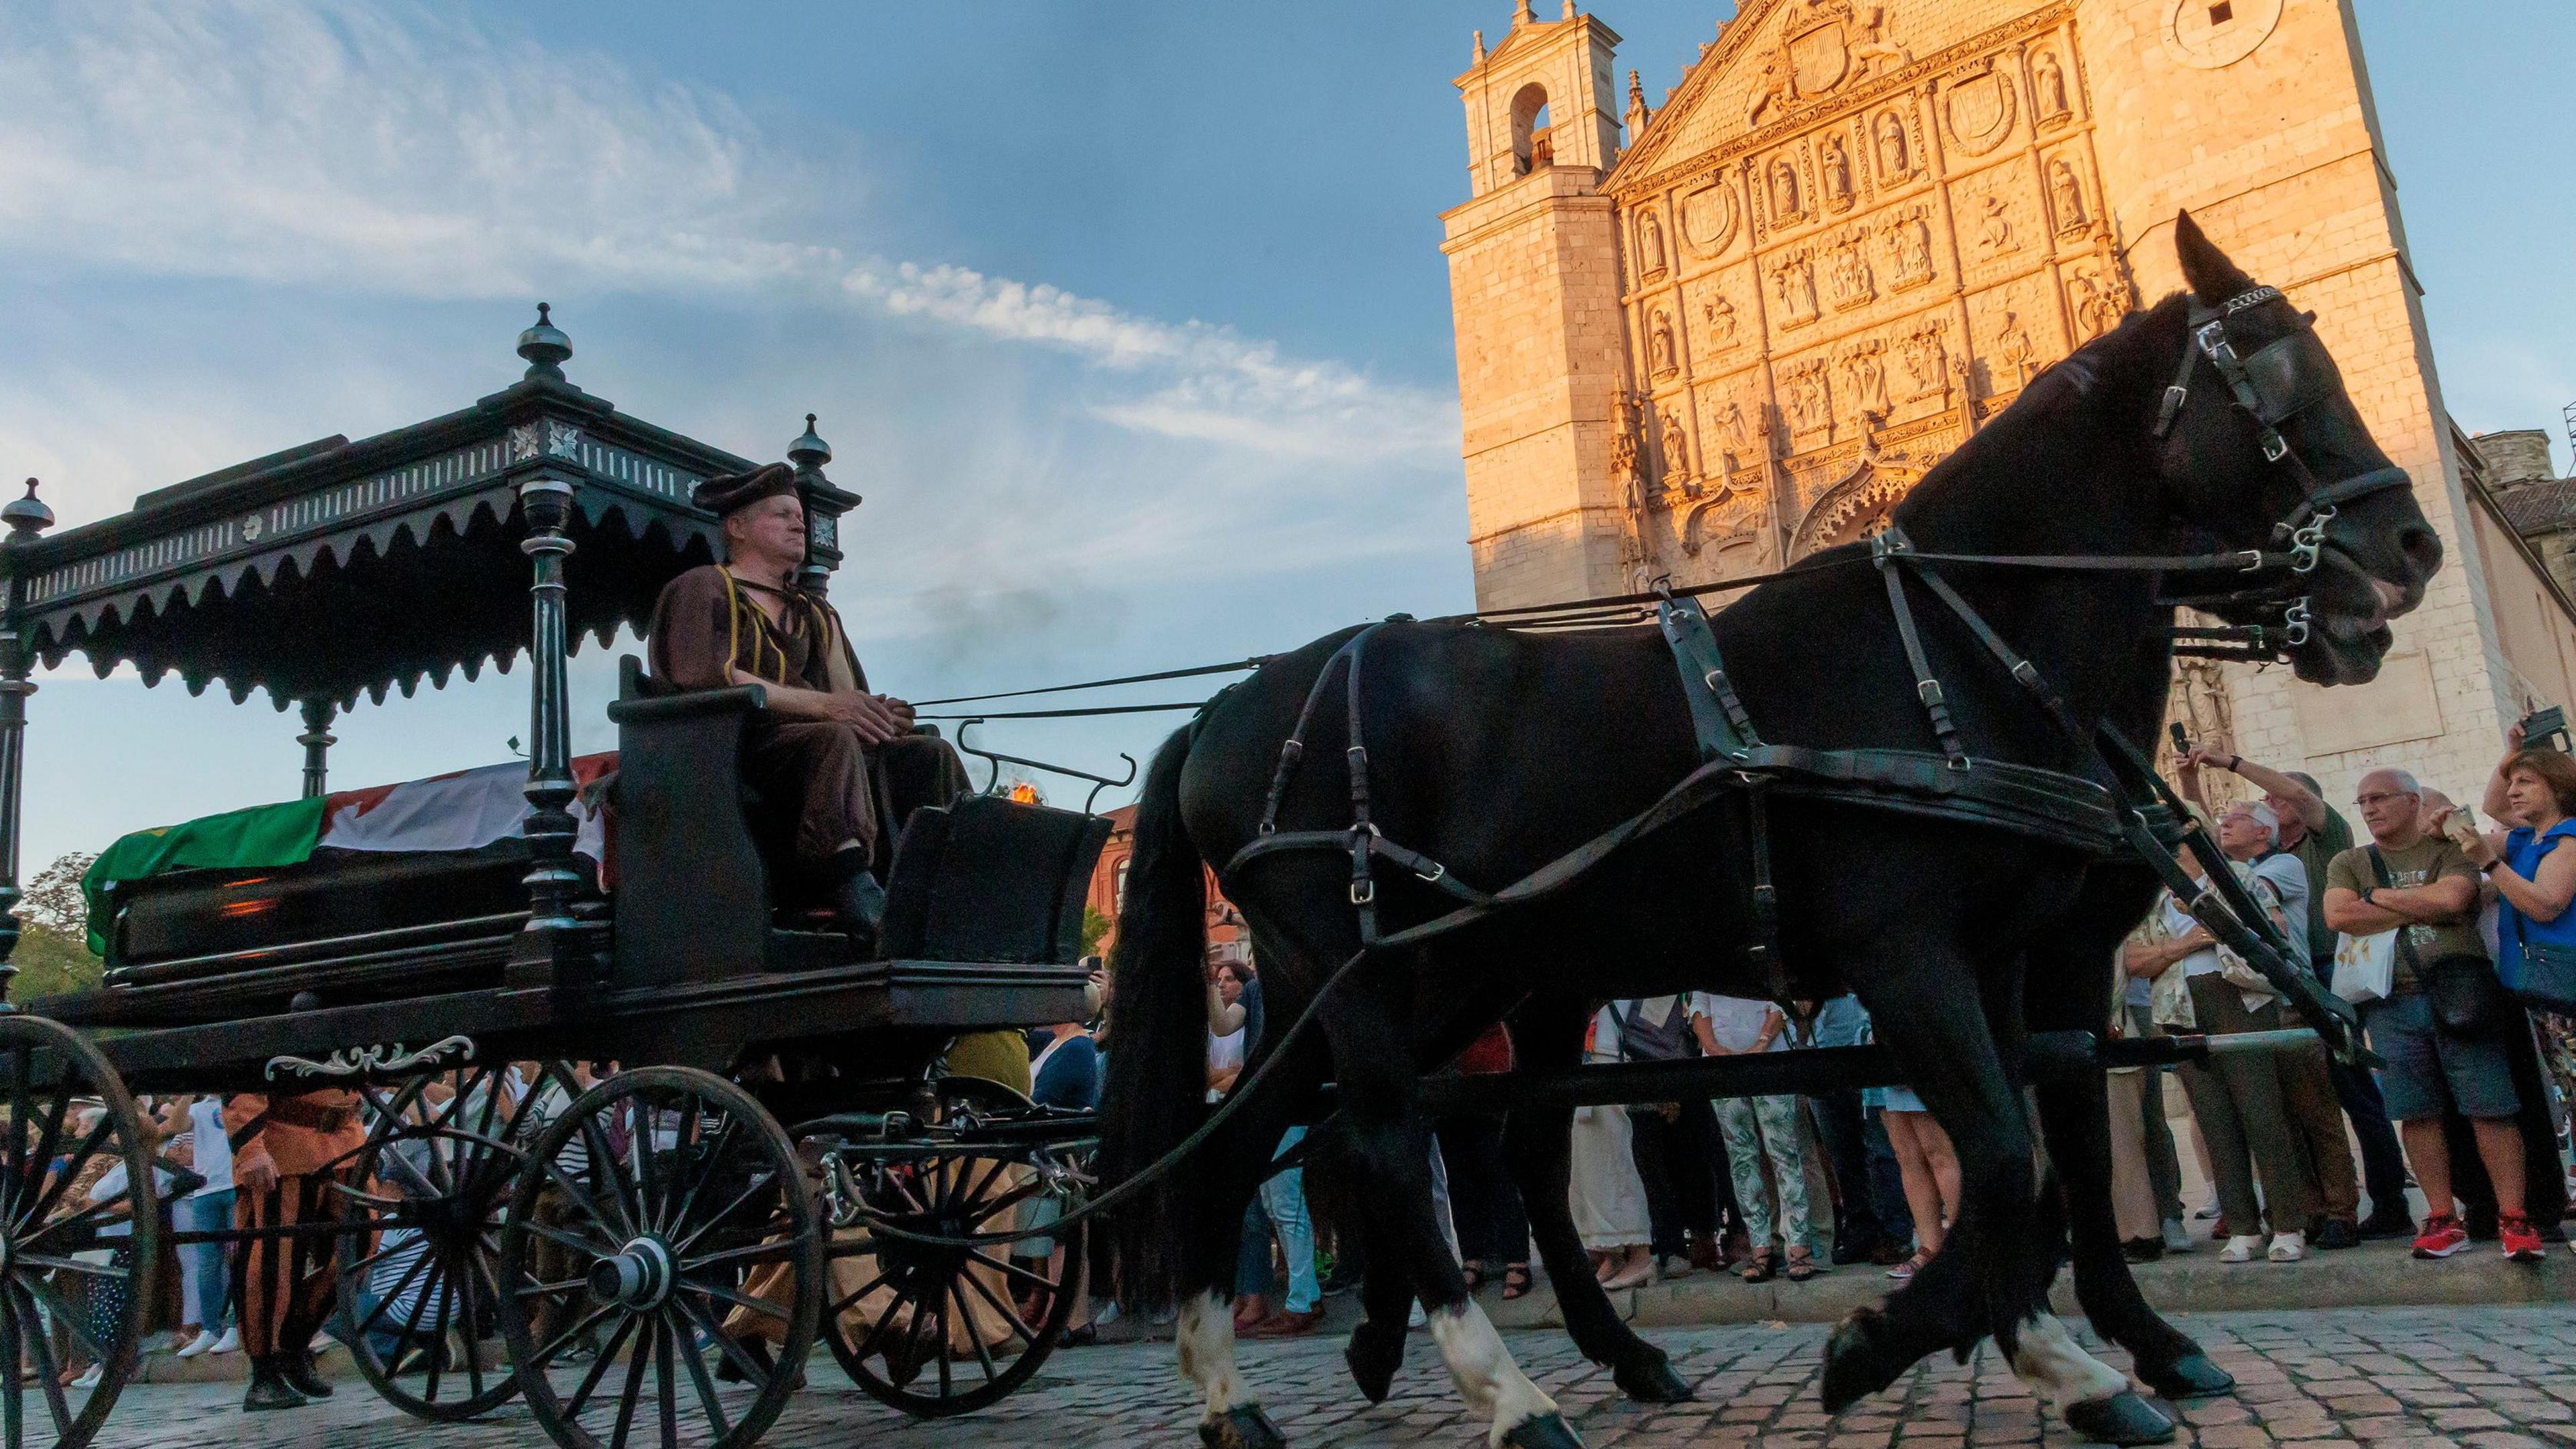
(811, 771)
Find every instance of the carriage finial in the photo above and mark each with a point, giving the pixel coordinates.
(545, 346)
(27, 516)
(809, 452)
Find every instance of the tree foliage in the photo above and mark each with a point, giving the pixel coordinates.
(53, 933)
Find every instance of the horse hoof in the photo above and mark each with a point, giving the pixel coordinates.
(1541, 1431)
(2191, 1376)
(1857, 1362)
(1242, 1427)
(1651, 1382)
(1374, 1354)
(2123, 1418)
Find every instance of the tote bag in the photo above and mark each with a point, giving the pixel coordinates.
(2365, 967)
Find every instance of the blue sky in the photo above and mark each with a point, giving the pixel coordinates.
(1129, 320)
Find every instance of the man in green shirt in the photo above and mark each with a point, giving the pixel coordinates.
(2423, 888)
(2316, 833)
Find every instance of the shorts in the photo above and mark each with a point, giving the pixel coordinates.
(2429, 1070)
(1893, 1099)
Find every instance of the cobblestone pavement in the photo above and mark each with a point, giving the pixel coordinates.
(2338, 1379)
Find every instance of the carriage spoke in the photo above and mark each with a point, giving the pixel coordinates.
(665, 1376)
(640, 1119)
(986, 1212)
(394, 1294)
(40, 1159)
(735, 1297)
(466, 1282)
(555, 1345)
(17, 1151)
(603, 1163)
(553, 1234)
(598, 1367)
(13, 1408)
(734, 1352)
(580, 1196)
(23, 1306)
(1009, 1313)
(708, 1399)
(706, 1172)
(941, 1337)
(760, 1252)
(1013, 1271)
(634, 1383)
(442, 1323)
(870, 1286)
(73, 1265)
(61, 1312)
(983, 1354)
(759, 1185)
(72, 1165)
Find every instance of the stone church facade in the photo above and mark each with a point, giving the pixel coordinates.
(1708, 336)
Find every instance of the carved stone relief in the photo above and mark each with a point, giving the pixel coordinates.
(1793, 286)
(1847, 271)
(1925, 356)
(1708, 218)
(1661, 360)
(2095, 301)
(1676, 442)
(2015, 352)
(1992, 229)
(1865, 377)
(1908, 235)
(1788, 197)
(1977, 105)
(1720, 327)
(1807, 397)
(1894, 149)
(1834, 172)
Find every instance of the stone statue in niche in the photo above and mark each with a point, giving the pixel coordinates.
(1659, 346)
(2048, 86)
(1720, 314)
(1677, 468)
(1834, 165)
(1623, 436)
(2013, 345)
(1870, 45)
(2068, 194)
(1650, 246)
(1865, 378)
(1734, 437)
(1927, 360)
(1994, 227)
(1784, 190)
(1910, 242)
(1894, 161)
(1849, 274)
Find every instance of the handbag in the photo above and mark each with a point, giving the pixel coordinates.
(2365, 967)
(2547, 981)
(2468, 999)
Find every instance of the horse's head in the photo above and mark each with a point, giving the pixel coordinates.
(2263, 448)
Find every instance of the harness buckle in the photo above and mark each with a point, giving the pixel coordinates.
(1960, 763)
(1363, 892)
(1435, 873)
(2275, 447)
(1268, 827)
(2295, 621)
(2026, 674)
(2171, 408)
(1930, 690)
(2308, 541)
(2253, 561)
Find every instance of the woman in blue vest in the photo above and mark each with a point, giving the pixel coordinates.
(2535, 878)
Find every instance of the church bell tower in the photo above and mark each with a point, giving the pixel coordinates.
(1534, 286)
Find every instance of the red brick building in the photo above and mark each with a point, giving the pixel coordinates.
(1226, 936)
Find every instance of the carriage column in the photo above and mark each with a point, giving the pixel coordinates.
(545, 947)
(27, 517)
(317, 741)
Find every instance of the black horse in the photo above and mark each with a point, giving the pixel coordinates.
(1495, 751)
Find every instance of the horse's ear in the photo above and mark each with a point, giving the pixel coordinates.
(2211, 276)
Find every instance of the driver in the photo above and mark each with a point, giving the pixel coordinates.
(745, 621)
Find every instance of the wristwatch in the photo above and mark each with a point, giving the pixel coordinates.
(2365, 895)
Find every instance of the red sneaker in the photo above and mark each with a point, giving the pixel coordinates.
(2442, 1236)
(2521, 1240)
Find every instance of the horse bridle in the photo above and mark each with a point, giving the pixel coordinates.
(2272, 387)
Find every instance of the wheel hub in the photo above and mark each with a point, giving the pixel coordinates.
(639, 1276)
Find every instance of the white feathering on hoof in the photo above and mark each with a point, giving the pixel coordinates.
(1487, 1378)
(1204, 1340)
(2057, 1370)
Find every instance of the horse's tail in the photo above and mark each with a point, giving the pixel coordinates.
(1156, 1094)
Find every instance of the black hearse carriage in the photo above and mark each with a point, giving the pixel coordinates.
(628, 1148)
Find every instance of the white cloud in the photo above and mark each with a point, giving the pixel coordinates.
(389, 148)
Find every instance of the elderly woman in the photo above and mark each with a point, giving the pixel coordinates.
(2535, 791)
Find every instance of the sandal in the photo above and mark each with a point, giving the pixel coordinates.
(1475, 1275)
(1911, 1266)
(1802, 1264)
(1516, 1281)
(1757, 1268)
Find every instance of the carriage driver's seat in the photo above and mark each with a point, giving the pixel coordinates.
(982, 879)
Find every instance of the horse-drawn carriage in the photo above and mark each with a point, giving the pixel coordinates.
(631, 1128)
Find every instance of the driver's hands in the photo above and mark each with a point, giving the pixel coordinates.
(902, 711)
(869, 716)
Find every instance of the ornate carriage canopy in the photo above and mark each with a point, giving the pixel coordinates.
(339, 568)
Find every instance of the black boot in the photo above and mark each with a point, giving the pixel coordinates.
(861, 904)
(297, 1370)
(269, 1389)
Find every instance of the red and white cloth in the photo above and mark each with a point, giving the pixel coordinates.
(463, 811)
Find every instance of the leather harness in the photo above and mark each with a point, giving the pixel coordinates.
(2120, 809)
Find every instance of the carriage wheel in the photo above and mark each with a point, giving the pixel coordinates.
(419, 1264)
(667, 1263)
(51, 1235)
(936, 1331)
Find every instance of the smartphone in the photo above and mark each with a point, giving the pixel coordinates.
(2545, 728)
(2182, 741)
